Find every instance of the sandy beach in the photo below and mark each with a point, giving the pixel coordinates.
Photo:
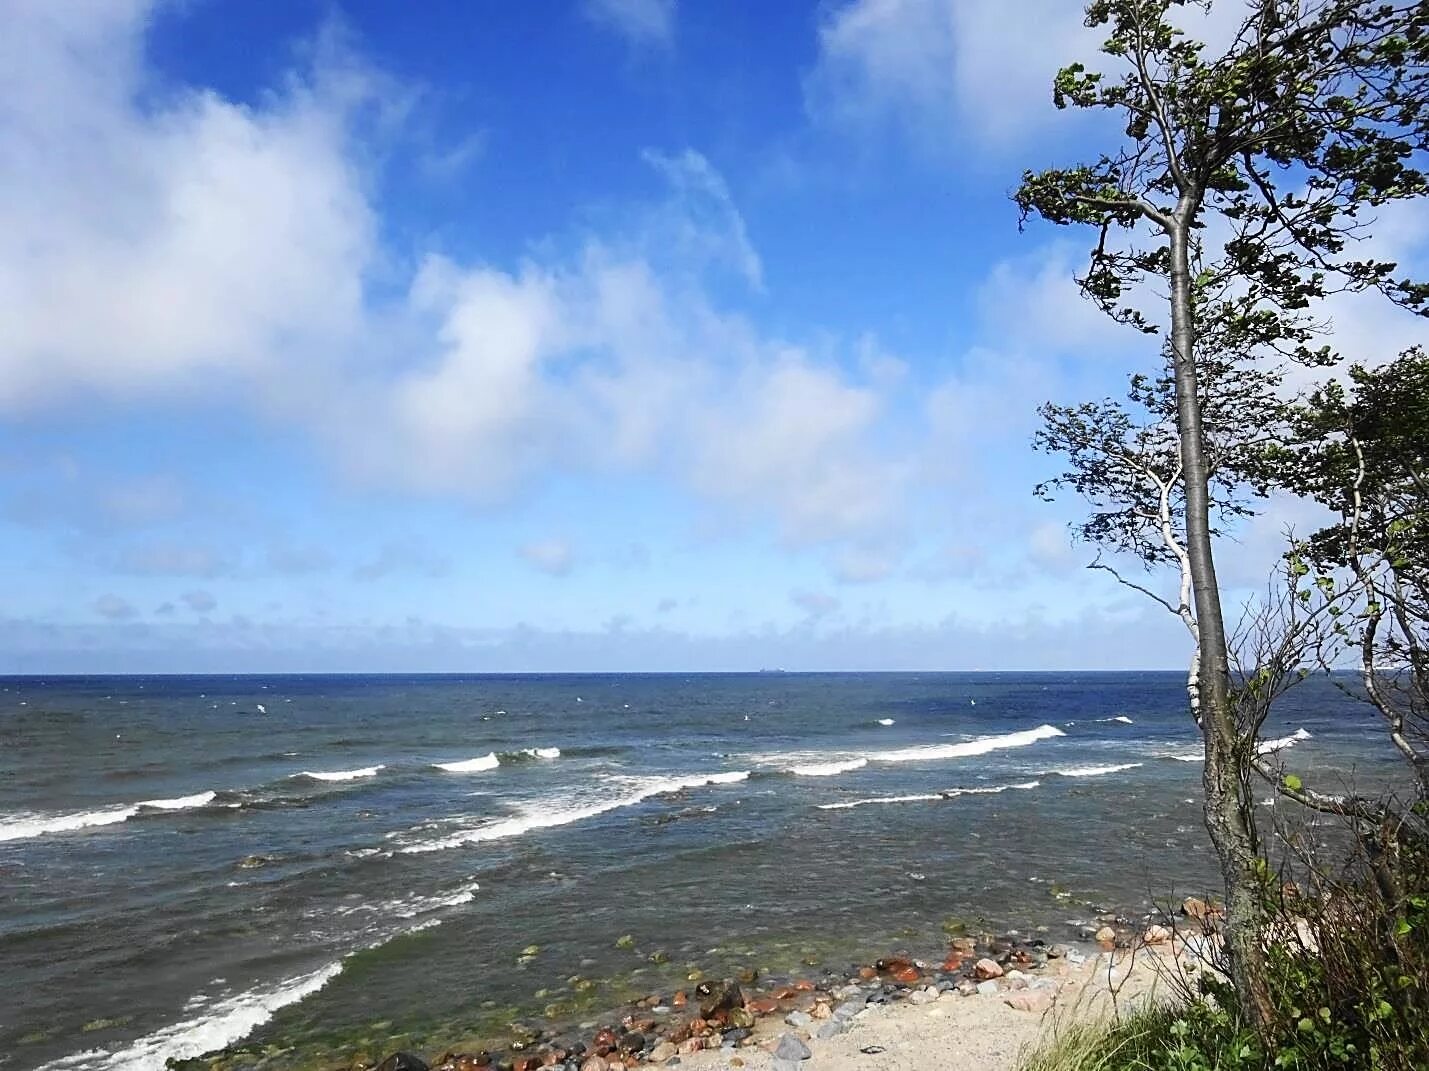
(981, 1032)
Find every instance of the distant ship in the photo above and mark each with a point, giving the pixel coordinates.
(774, 671)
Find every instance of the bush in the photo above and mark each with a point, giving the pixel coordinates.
(1349, 977)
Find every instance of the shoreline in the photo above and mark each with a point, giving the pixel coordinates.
(1004, 986)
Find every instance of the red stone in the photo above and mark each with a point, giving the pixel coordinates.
(679, 999)
(762, 1005)
(803, 985)
(908, 975)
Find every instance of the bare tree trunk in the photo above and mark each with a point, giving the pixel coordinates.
(1228, 809)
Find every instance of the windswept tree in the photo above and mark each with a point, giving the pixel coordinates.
(1237, 193)
(1361, 449)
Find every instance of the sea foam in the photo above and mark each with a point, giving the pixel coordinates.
(551, 813)
(24, 826)
(481, 762)
(946, 794)
(342, 775)
(828, 769)
(1095, 771)
(220, 1024)
(1269, 747)
(981, 746)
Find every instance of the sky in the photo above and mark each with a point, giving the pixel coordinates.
(583, 335)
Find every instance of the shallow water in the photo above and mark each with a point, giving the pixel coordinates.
(407, 837)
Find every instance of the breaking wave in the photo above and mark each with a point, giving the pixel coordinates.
(24, 826)
(220, 1025)
(828, 769)
(481, 762)
(550, 813)
(1095, 771)
(1269, 747)
(343, 775)
(981, 746)
(946, 794)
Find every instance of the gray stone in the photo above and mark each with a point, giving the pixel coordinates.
(798, 1019)
(848, 1009)
(791, 1048)
(777, 1064)
(988, 988)
(828, 1028)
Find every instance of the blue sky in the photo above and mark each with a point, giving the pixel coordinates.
(580, 335)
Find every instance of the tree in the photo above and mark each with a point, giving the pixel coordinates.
(1314, 113)
(1362, 451)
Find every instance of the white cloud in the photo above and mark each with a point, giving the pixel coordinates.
(641, 22)
(968, 70)
(200, 602)
(114, 607)
(551, 556)
(142, 246)
(191, 248)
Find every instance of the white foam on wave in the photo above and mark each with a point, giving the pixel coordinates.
(24, 826)
(885, 721)
(1119, 717)
(542, 752)
(409, 907)
(1269, 747)
(342, 775)
(828, 769)
(481, 762)
(1196, 755)
(981, 746)
(947, 794)
(1096, 771)
(547, 814)
(221, 1024)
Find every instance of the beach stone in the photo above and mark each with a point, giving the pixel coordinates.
(762, 1005)
(741, 1017)
(798, 1019)
(719, 996)
(1156, 935)
(1105, 936)
(821, 1010)
(926, 995)
(829, 1028)
(791, 1048)
(1029, 1000)
(403, 1061)
(987, 968)
(1196, 908)
(688, 1047)
(908, 975)
(595, 1063)
(663, 1051)
(849, 1008)
(987, 989)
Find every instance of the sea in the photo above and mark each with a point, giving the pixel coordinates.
(307, 867)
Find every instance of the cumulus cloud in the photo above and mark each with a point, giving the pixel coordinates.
(641, 22)
(946, 70)
(187, 245)
(551, 556)
(114, 607)
(142, 246)
(200, 602)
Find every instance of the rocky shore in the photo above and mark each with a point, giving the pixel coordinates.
(1008, 985)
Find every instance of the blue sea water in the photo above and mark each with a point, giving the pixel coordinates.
(310, 862)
